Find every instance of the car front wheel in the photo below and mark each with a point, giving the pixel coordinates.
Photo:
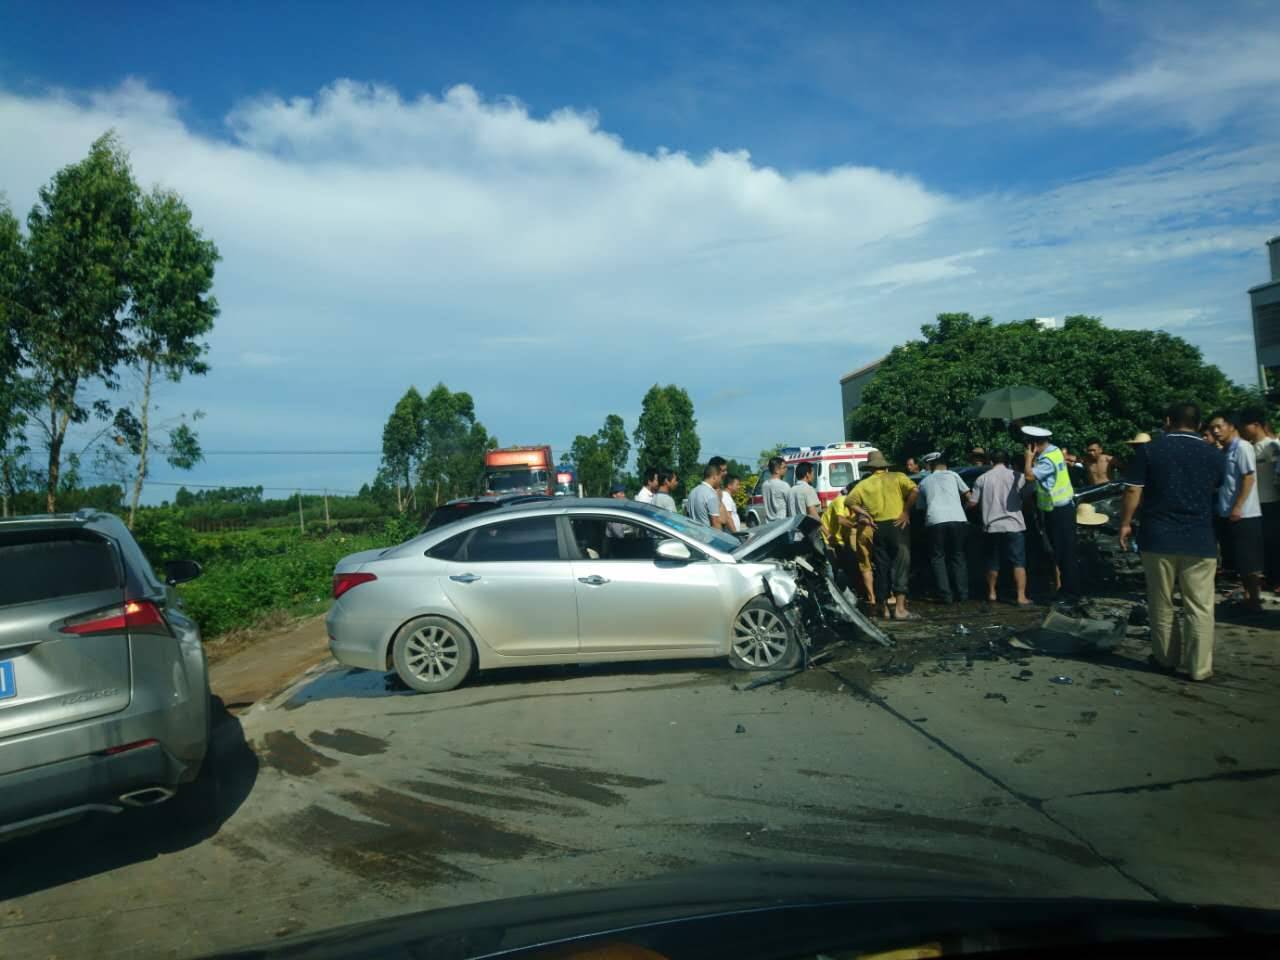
(432, 654)
(762, 639)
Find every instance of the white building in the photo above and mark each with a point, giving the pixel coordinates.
(1264, 300)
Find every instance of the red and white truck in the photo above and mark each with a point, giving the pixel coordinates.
(519, 470)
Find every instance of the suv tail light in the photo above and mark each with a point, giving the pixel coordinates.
(342, 582)
(136, 616)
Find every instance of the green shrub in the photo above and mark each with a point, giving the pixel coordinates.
(163, 537)
(249, 574)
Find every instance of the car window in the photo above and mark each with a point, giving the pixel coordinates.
(44, 565)
(450, 512)
(603, 538)
(523, 539)
(448, 549)
(839, 473)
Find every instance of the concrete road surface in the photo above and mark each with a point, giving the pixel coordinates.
(345, 800)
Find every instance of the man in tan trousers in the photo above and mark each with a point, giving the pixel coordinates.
(1174, 478)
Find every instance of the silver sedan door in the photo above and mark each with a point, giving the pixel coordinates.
(629, 600)
(512, 587)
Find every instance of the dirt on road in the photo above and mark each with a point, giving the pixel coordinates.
(261, 664)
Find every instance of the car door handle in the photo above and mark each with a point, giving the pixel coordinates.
(594, 580)
(464, 577)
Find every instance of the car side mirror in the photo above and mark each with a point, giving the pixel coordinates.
(180, 571)
(674, 550)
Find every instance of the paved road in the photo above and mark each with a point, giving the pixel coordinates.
(346, 800)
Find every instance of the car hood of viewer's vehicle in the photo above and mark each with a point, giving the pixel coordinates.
(772, 541)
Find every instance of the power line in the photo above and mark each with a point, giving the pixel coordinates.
(227, 486)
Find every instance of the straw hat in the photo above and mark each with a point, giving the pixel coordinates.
(876, 459)
(1089, 516)
(1139, 437)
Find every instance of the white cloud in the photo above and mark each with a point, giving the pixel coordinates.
(1197, 75)
(371, 242)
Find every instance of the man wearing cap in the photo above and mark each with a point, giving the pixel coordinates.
(888, 498)
(1046, 468)
(941, 495)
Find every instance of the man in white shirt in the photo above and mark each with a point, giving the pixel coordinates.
(803, 500)
(727, 492)
(648, 485)
(775, 490)
(1239, 511)
(1266, 449)
(941, 493)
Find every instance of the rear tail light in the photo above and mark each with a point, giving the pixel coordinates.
(136, 616)
(342, 582)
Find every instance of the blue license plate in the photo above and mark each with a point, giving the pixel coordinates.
(7, 689)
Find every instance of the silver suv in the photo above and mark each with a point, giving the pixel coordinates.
(104, 688)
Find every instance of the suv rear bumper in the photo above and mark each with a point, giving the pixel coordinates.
(42, 796)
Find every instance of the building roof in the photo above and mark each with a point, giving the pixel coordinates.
(868, 368)
(1258, 289)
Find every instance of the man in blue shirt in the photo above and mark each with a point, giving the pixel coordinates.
(944, 519)
(1175, 478)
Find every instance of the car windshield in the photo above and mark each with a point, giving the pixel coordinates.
(515, 481)
(724, 542)
(387, 535)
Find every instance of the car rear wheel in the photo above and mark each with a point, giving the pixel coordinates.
(432, 654)
(762, 639)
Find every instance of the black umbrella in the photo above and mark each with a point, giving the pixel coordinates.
(1012, 403)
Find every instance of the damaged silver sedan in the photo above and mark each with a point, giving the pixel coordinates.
(576, 582)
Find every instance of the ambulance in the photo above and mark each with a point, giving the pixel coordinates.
(835, 465)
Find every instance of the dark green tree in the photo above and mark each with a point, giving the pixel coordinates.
(666, 433)
(601, 457)
(454, 445)
(15, 389)
(1109, 383)
(403, 447)
(79, 237)
(170, 312)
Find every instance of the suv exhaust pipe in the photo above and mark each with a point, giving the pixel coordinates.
(146, 797)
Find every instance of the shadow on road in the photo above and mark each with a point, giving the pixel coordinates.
(341, 683)
(103, 842)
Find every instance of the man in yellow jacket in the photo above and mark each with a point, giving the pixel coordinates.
(849, 536)
(887, 497)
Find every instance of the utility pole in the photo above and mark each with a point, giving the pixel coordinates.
(302, 527)
(326, 509)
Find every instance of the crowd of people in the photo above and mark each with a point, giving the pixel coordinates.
(1201, 501)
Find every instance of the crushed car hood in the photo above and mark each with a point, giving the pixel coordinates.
(775, 541)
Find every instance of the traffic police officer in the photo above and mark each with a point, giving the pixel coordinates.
(1046, 468)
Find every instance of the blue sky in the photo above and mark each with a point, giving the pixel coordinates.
(554, 206)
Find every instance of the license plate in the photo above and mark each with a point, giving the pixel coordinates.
(7, 689)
